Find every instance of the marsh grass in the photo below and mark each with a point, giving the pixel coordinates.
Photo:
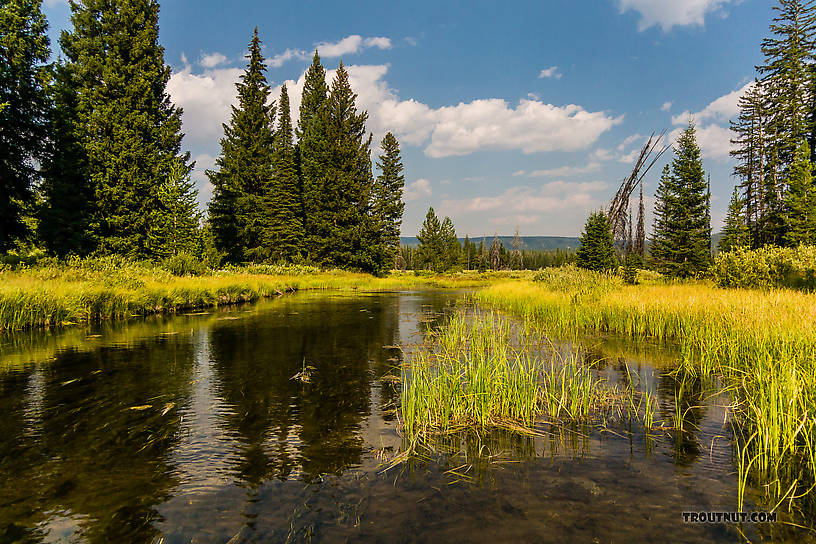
(760, 345)
(480, 370)
(93, 290)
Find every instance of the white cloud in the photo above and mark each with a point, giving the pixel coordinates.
(212, 60)
(416, 190)
(278, 60)
(351, 44)
(519, 173)
(379, 42)
(666, 106)
(566, 171)
(670, 13)
(551, 72)
(723, 109)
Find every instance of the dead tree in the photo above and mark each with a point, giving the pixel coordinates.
(618, 214)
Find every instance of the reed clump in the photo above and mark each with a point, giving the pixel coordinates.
(761, 343)
(476, 370)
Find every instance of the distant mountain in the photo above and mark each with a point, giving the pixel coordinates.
(538, 243)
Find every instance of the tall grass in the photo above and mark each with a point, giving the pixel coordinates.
(761, 343)
(90, 290)
(477, 370)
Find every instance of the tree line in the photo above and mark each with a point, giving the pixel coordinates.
(91, 160)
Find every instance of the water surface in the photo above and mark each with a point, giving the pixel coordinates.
(191, 429)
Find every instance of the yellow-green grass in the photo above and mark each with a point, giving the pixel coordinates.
(762, 343)
(477, 370)
(59, 296)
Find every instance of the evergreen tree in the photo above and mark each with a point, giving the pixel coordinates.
(684, 246)
(517, 258)
(126, 129)
(467, 254)
(239, 210)
(431, 248)
(800, 201)
(286, 226)
(450, 244)
(312, 152)
(68, 221)
(664, 203)
(345, 231)
(735, 232)
(24, 78)
(495, 252)
(596, 251)
(387, 198)
(174, 222)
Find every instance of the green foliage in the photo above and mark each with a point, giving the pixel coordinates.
(174, 220)
(184, 264)
(128, 132)
(239, 210)
(800, 200)
(768, 267)
(682, 234)
(439, 247)
(735, 232)
(387, 194)
(24, 79)
(596, 251)
(286, 225)
(631, 264)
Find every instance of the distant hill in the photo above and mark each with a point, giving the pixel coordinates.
(538, 243)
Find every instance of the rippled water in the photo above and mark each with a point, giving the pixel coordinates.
(191, 429)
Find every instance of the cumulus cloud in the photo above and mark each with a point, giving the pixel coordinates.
(419, 189)
(347, 46)
(713, 134)
(723, 109)
(566, 171)
(212, 60)
(666, 106)
(671, 13)
(551, 72)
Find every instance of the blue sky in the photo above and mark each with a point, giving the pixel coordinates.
(509, 113)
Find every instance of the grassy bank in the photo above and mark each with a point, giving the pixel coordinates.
(761, 343)
(96, 290)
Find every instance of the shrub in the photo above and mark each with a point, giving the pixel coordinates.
(767, 268)
(184, 264)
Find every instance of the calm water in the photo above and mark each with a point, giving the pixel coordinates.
(191, 429)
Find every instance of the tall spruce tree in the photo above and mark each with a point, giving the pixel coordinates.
(312, 151)
(450, 243)
(596, 251)
(344, 219)
(431, 247)
(800, 200)
(735, 231)
(128, 133)
(688, 228)
(239, 210)
(286, 228)
(24, 78)
(387, 198)
(664, 203)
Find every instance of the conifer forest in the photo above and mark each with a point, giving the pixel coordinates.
(287, 340)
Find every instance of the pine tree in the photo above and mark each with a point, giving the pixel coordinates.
(684, 246)
(517, 258)
(346, 232)
(68, 221)
(128, 131)
(800, 201)
(239, 210)
(664, 203)
(495, 252)
(312, 153)
(749, 148)
(387, 197)
(24, 79)
(286, 226)
(450, 244)
(467, 254)
(174, 222)
(431, 247)
(596, 251)
(735, 232)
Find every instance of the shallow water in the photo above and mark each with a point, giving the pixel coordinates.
(191, 429)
